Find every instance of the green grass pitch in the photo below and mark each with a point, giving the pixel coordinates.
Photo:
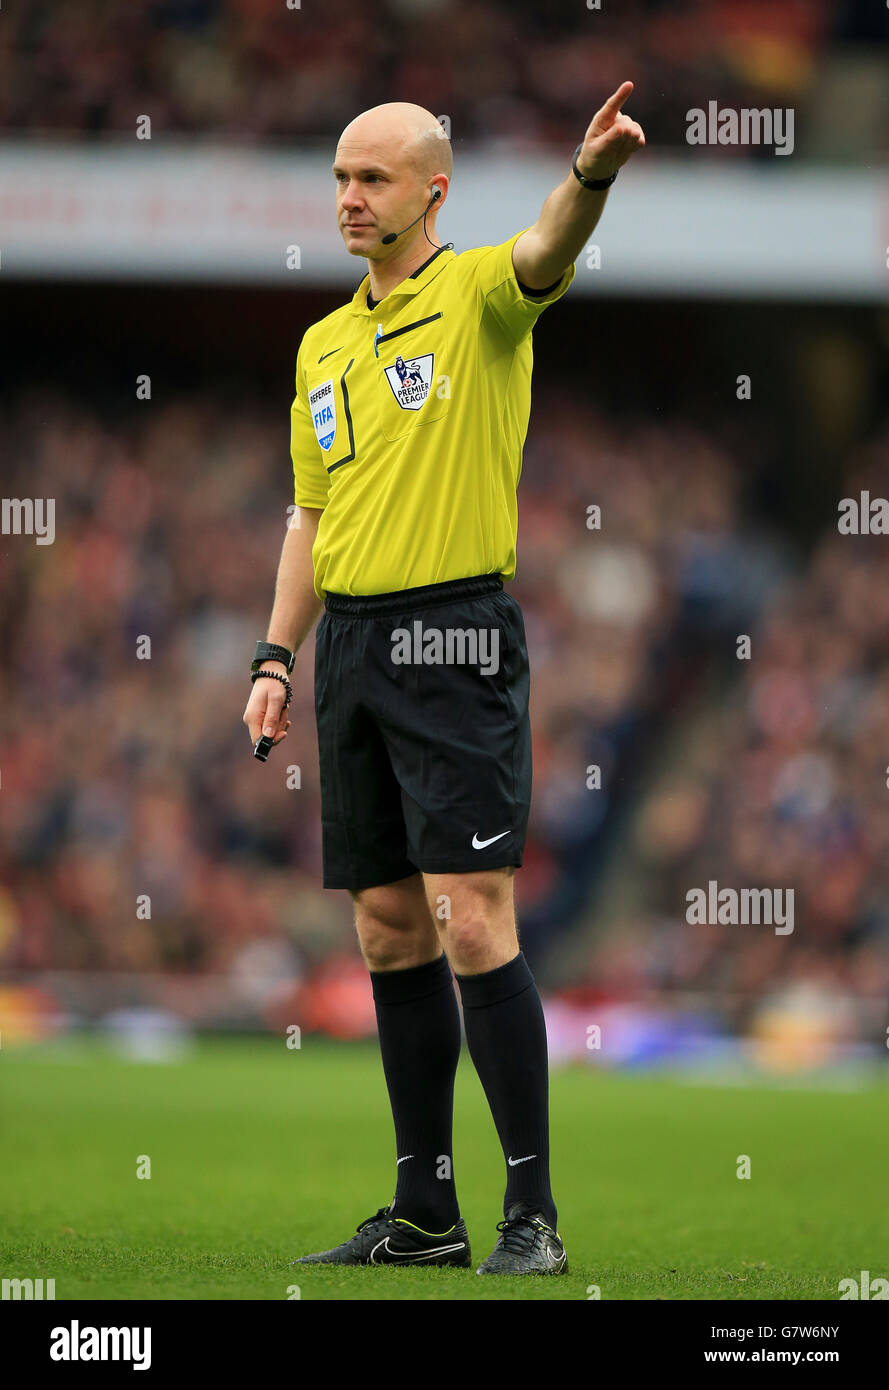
(259, 1154)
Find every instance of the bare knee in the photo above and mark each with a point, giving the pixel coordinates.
(394, 925)
(468, 941)
(477, 927)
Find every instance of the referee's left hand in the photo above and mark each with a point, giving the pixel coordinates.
(611, 138)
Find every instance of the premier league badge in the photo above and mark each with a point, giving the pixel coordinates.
(322, 404)
(411, 381)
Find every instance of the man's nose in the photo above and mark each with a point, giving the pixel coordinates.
(352, 196)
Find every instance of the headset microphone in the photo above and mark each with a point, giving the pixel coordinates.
(388, 239)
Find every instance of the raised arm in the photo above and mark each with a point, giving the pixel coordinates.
(571, 212)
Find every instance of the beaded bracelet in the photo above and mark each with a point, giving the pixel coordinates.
(275, 676)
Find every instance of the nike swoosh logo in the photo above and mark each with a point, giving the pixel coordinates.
(403, 1160)
(411, 1256)
(514, 1162)
(482, 844)
(555, 1261)
(328, 354)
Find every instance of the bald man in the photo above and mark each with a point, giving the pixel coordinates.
(407, 427)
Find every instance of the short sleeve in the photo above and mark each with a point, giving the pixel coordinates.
(515, 310)
(311, 481)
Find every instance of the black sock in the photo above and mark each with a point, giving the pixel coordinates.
(419, 1026)
(506, 1036)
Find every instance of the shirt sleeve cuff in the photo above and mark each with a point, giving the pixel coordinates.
(539, 294)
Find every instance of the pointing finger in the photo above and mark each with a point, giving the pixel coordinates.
(616, 101)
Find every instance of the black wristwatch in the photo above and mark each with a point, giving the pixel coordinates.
(270, 651)
(595, 184)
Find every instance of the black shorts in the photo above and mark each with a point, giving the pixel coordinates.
(425, 764)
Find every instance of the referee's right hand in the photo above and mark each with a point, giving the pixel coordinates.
(265, 712)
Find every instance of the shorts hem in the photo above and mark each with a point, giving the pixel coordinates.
(466, 866)
(374, 878)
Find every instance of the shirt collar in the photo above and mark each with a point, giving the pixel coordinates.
(415, 282)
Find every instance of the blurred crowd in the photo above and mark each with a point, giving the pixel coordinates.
(781, 781)
(527, 73)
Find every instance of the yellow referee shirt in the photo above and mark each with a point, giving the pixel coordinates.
(408, 425)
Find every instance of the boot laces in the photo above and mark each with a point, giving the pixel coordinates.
(381, 1215)
(518, 1235)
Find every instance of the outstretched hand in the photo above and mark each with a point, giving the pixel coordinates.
(611, 138)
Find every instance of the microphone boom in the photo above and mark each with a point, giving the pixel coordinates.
(388, 239)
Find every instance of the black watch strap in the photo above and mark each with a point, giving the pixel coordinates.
(595, 184)
(270, 651)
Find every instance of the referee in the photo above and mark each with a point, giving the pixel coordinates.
(411, 409)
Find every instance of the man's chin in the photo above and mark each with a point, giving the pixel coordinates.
(362, 242)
